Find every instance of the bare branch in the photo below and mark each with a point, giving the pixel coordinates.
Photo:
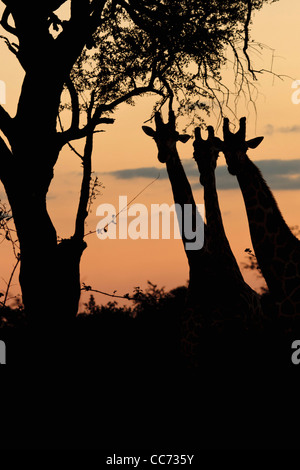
(246, 41)
(5, 122)
(89, 289)
(136, 16)
(82, 211)
(13, 47)
(78, 31)
(5, 161)
(95, 20)
(76, 134)
(68, 143)
(96, 119)
(75, 104)
(136, 92)
(4, 22)
(10, 281)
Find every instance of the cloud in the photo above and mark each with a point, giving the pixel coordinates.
(279, 174)
(152, 171)
(279, 167)
(270, 129)
(287, 130)
(143, 172)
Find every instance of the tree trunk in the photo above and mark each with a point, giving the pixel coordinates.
(49, 272)
(50, 282)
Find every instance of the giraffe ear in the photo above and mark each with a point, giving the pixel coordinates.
(184, 138)
(253, 143)
(149, 131)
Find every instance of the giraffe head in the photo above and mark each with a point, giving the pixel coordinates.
(165, 136)
(206, 152)
(236, 146)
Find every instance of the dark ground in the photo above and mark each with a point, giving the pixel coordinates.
(118, 384)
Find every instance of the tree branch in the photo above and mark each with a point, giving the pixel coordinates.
(75, 105)
(10, 281)
(136, 92)
(76, 134)
(5, 162)
(96, 119)
(4, 22)
(12, 46)
(89, 289)
(246, 40)
(5, 122)
(136, 17)
(78, 31)
(82, 212)
(95, 20)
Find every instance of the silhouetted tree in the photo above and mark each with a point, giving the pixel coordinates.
(115, 50)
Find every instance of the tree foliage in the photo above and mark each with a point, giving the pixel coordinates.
(170, 46)
(106, 53)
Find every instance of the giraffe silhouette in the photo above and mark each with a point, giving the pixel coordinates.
(276, 248)
(237, 297)
(214, 286)
(166, 138)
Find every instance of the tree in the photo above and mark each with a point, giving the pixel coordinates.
(114, 50)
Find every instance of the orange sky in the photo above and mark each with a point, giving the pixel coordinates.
(123, 264)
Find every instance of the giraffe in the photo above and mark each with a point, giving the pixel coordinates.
(204, 305)
(237, 297)
(166, 138)
(276, 248)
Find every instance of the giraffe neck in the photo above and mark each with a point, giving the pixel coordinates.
(182, 194)
(276, 248)
(190, 320)
(212, 208)
(218, 242)
(181, 188)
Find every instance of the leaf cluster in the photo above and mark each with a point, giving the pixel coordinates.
(165, 47)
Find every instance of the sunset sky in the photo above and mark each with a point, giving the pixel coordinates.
(125, 161)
